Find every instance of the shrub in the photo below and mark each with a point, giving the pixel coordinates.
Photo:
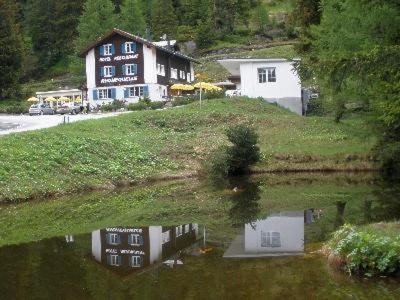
(156, 105)
(14, 107)
(178, 101)
(365, 252)
(237, 158)
(137, 106)
(113, 106)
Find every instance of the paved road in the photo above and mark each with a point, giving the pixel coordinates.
(12, 123)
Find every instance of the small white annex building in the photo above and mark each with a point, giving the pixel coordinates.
(275, 80)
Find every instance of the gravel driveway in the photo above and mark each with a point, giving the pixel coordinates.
(13, 123)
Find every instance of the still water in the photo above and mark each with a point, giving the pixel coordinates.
(246, 256)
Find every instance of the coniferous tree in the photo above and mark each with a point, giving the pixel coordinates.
(164, 20)
(98, 17)
(10, 49)
(132, 18)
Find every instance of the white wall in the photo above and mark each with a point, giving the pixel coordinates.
(286, 91)
(96, 245)
(91, 69)
(155, 236)
(150, 64)
(291, 231)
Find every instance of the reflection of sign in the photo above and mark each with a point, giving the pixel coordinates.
(119, 79)
(135, 252)
(129, 230)
(118, 58)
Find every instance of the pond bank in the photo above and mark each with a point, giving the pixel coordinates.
(154, 145)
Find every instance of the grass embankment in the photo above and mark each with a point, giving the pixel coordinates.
(370, 250)
(99, 154)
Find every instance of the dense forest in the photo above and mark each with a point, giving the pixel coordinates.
(350, 49)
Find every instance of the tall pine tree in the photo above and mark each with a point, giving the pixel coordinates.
(97, 18)
(132, 18)
(164, 20)
(11, 49)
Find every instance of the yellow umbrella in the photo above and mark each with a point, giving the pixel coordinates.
(78, 99)
(64, 99)
(33, 99)
(50, 99)
(188, 87)
(178, 87)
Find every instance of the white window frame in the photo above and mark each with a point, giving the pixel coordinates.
(107, 71)
(104, 94)
(160, 70)
(270, 239)
(129, 47)
(114, 260)
(166, 237)
(107, 49)
(129, 69)
(135, 261)
(174, 73)
(188, 77)
(178, 230)
(182, 74)
(187, 228)
(136, 91)
(267, 74)
(135, 239)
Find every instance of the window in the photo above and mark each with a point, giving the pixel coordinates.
(136, 261)
(113, 239)
(107, 49)
(136, 91)
(188, 77)
(166, 236)
(135, 239)
(107, 71)
(266, 75)
(174, 73)
(130, 69)
(182, 74)
(130, 47)
(178, 230)
(270, 239)
(105, 94)
(160, 70)
(114, 260)
(186, 228)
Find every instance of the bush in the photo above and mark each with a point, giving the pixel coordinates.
(178, 101)
(237, 158)
(156, 105)
(137, 106)
(365, 252)
(113, 106)
(14, 107)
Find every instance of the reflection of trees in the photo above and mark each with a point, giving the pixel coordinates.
(387, 193)
(339, 219)
(245, 201)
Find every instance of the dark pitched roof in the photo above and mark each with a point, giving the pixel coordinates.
(135, 38)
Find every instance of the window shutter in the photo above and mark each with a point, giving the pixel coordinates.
(130, 261)
(113, 70)
(123, 48)
(113, 95)
(112, 49)
(135, 69)
(140, 240)
(108, 237)
(134, 47)
(109, 260)
(124, 69)
(101, 50)
(146, 91)
(102, 71)
(130, 239)
(95, 95)
(141, 260)
(126, 92)
(119, 260)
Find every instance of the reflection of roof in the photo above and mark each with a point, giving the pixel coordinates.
(237, 250)
(133, 38)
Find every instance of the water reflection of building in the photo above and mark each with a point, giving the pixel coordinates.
(130, 249)
(279, 234)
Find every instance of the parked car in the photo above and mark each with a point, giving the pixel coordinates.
(232, 93)
(69, 108)
(40, 109)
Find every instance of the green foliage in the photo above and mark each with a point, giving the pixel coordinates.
(164, 20)
(113, 106)
(11, 52)
(14, 107)
(365, 252)
(137, 106)
(131, 18)
(98, 17)
(262, 19)
(178, 101)
(205, 35)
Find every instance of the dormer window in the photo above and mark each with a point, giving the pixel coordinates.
(129, 47)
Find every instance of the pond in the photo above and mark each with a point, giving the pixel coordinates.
(253, 238)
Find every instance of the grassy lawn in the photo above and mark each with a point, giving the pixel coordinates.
(136, 146)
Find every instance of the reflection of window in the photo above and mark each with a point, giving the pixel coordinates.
(174, 73)
(178, 230)
(114, 239)
(188, 77)
(266, 75)
(166, 236)
(114, 260)
(136, 261)
(186, 228)
(270, 239)
(160, 70)
(135, 240)
(182, 74)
